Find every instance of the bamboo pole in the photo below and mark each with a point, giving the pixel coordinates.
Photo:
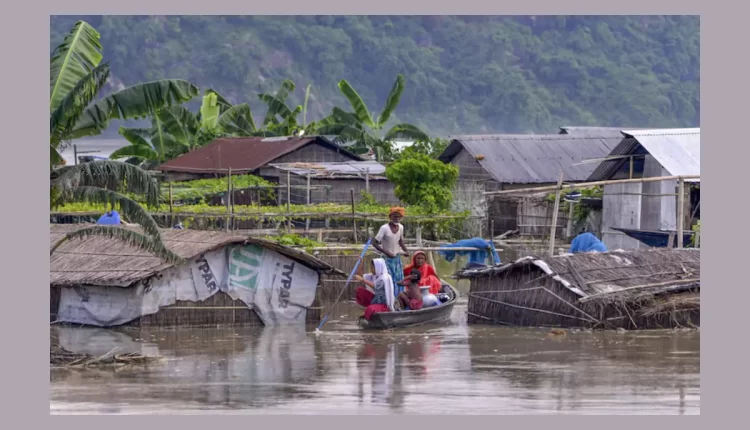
(367, 179)
(554, 215)
(307, 221)
(680, 212)
(354, 225)
(569, 227)
(171, 210)
(229, 197)
(592, 184)
(632, 166)
(288, 200)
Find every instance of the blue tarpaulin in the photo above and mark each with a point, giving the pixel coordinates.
(110, 218)
(478, 257)
(587, 242)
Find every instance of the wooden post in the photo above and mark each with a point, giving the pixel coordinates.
(229, 197)
(354, 221)
(307, 221)
(170, 197)
(680, 211)
(569, 228)
(288, 201)
(171, 216)
(492, 229)
(75, 155)
(631, 167)
(698, 238)
(554, 215)
(367, 179)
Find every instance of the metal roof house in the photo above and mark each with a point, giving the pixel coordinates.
(650, 205)
(504, 162)
(253, 154)
(264, 157)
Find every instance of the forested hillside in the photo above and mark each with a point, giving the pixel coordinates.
(463, 74)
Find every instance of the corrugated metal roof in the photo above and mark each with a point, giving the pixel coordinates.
(677, 150)
(340, 169)
(529, 159)
(608, 132)
(242, 154)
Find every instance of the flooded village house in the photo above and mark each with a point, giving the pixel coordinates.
(226, 279)
(648, 206)
(506, 162)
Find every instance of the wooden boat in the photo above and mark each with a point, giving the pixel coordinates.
(656, 238)
(399, 319)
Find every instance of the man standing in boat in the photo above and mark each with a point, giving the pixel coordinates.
(389, 239)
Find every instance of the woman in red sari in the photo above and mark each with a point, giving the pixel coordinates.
(429, 276)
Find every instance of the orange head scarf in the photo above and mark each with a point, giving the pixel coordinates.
(397, 210)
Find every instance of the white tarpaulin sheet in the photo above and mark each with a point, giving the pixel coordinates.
(278, 288)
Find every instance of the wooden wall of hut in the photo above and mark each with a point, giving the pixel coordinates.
(651, 289)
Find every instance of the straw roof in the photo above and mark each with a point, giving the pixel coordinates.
(618, 275)
(104, 261)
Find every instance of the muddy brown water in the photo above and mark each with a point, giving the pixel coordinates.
(449, 369)
(452, 369)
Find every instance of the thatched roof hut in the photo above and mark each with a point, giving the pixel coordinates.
(105, 282)
(654, 288)
(104, 261)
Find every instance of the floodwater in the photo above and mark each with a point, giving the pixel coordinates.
(451, 369)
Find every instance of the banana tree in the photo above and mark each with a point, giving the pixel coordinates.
(76, 78)
(173, 132)
(359, 130)
(280, 119)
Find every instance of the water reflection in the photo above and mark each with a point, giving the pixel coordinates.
(443, 370)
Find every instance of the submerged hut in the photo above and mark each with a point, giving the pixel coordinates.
(225, 279)
(640, 289)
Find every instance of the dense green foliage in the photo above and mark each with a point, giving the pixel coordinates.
(465, 74)
(423, 181)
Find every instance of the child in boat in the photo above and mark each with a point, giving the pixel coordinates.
(378, 293)
(429, 276)
(411, 297)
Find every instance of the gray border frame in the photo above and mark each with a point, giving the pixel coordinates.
(29, 284)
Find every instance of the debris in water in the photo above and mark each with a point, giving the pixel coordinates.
(61, 357)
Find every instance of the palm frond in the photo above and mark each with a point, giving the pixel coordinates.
(238, 120)
(407, 131)
(172, 125)
(74, 58)
(71, 107)
(140, 152)
(394, 97)
(275, 107)
(126, 206)
(138, 101)
(136, 136)
(128, 236)
(109, 174)
(186, 118)
(359, 107)
(55, 159)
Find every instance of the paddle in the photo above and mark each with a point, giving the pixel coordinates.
(351, 275)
